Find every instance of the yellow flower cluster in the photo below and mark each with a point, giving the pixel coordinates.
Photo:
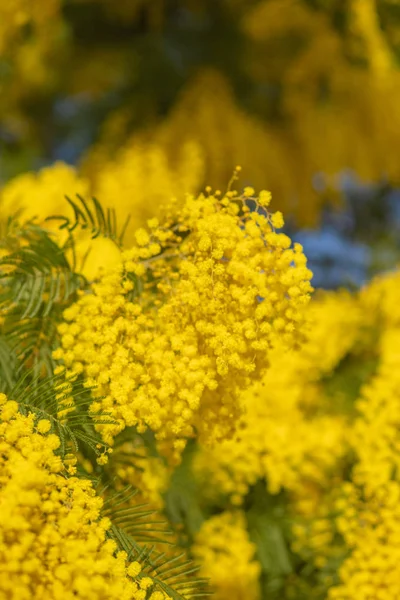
(53, 541)
(376, 431)
(375, 437)
(286, 434)
(314, 531)
(227, 557)
(370, 524)
(133, 465)
(189, 318)
(369, 506)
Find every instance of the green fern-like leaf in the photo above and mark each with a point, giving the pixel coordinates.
(90, 215)
(37, 275)
(133, 525)
(66, 405)
(140, 521)
(37, 282)
(176, 576)
(7, 365)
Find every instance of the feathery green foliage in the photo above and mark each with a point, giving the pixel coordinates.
(91, 215)
(66, 405)
(37, 282)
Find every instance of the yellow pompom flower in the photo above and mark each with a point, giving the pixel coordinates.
(214, 289)
(368, 507)
(227, 556)
(53, 542)
(43, 426)
(286, 435)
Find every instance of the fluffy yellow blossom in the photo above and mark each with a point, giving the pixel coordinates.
(375, 436)
(368, 513)
(275, 441)
(172, 336)
(278, 438)
(370, 524)
(227, 556)
(277, 220)
(53, 542)
(314, 531)
(43, 426)
(376, 431)
(134, 569)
